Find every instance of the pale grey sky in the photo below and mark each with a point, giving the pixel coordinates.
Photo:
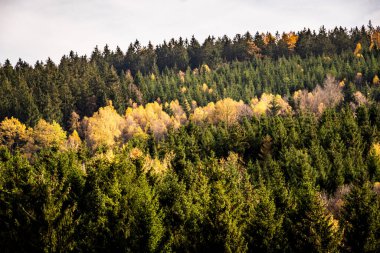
(37, 29)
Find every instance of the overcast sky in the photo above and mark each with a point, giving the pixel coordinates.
(37, 29)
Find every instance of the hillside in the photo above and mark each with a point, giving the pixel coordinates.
(260, 143)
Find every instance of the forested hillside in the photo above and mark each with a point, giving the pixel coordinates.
(264, 143)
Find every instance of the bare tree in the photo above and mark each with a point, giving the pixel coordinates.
(322, 97)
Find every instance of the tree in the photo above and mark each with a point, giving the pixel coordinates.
(264, 225)
(195, 53)
(74, 141)
(320, 98)
(311, 227)
(120, 210)
(104, 128)
(46, 135)
(13, 133)
(360, 219)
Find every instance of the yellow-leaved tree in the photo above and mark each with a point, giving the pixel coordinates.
(266, 103)
(73, 141)
(151, 118)
(358, 50)
(156, 167)
(104, 128)
(376, 80)
(260, 107)
(47, 135)
(13, 133)
(204, 114)
(268, 38)
(228, 110)
(179, 116)
(290, 39)
(205, 68)
(375, 40)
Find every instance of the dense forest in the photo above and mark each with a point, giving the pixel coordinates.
(260, 143)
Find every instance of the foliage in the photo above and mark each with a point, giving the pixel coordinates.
(229, 145)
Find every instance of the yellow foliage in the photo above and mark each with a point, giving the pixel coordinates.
(178, 113)
(181, 76)
(375, 149)
(152, 77)
(209, 109)
(334, 223)
(230, 111)
(254, 101)
(152, 118)
(46, 135)
(290, 39)
(376, 187)
(358, 49)
(284, 107)
(268, 38)
(375, 40)
(135, 153)
(108, 156)
(156, 167)
(297, 94)
(204, 87)
(183, 90)
(204, 114)
(376, 80)
(187, 106)
(205, 68)
(227, 110)
(12, 133)
(198, 116)
(103, 128)
(261, 107)
(133, 130)
(193, 105)
(341, 84)
(73, 141)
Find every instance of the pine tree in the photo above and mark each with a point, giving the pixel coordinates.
(360, 219)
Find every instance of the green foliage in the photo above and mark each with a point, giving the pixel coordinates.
(241, 68)
(360, 219)
(311, 228)
(196, 153)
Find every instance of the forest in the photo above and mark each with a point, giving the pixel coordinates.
(260, 143)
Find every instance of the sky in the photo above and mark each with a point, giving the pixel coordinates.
(37, 29)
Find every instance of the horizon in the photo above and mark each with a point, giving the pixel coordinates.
(51, 29)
